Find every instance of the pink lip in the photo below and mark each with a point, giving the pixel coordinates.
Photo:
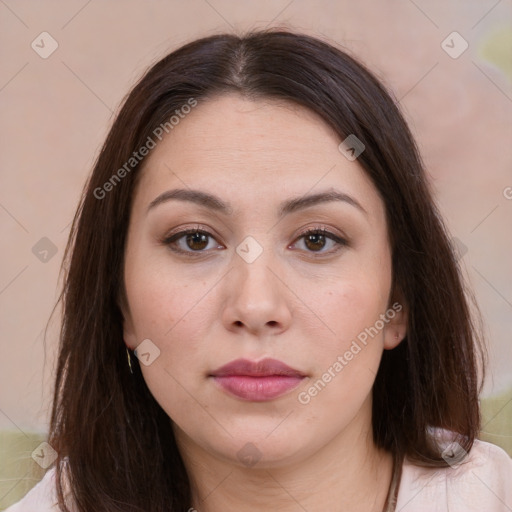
(257, 381)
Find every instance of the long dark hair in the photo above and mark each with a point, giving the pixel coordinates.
(120, 449)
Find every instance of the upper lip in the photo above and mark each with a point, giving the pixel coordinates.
(263, 368)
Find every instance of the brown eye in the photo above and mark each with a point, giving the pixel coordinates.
(196, 241)
(315, 240)
(191, 241)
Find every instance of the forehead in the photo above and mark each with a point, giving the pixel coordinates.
(265, 147)
(253, 123)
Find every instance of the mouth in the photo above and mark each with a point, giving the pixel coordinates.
(257, 381)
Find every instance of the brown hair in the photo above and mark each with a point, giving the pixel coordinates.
(118, 441)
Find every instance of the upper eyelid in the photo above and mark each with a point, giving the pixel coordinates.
(185, 231)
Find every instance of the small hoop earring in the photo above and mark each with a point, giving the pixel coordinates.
(129, 360)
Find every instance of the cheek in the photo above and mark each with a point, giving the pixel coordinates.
(349, 306)
(158, 294)
(347, 355)
(168, 308)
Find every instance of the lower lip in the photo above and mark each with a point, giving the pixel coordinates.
(258, 389)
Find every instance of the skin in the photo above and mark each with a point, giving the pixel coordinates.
(288, 304)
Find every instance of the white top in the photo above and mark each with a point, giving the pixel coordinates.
(482, 483)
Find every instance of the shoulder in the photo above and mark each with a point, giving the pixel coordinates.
(42, 497)
(479, 480)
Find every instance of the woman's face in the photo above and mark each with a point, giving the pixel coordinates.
(250, 286)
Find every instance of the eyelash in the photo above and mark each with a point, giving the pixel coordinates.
(172, 239)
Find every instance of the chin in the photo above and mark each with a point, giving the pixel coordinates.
(260, 446)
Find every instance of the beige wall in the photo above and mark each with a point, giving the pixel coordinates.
(56, 112)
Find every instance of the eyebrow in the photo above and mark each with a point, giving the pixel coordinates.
(214, 203)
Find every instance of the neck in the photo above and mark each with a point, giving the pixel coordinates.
(347, 473)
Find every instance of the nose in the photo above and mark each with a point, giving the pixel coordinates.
(257, 298)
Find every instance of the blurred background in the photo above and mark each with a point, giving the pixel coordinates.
(67, 65)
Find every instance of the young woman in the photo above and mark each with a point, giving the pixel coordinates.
(262, 309)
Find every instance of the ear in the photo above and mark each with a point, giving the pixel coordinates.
(129, 337)
(398, 315)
